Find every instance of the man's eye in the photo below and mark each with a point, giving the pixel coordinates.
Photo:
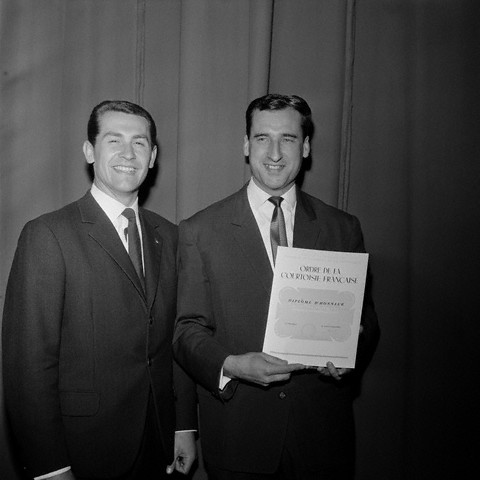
(113, 140)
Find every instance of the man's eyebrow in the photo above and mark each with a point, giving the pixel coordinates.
(111, 134)
(119, 135)
(287, 135)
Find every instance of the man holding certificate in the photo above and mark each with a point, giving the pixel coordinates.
(261, 417)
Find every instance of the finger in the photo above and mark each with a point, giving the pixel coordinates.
(262, 383)
(277, 378)
(331, 368)
(266, 380)
(333, 371)
(296, 366)
(184, 467)
(179, 466)
(327, 371)
(283, 369)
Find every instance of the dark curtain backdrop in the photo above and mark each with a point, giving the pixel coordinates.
(393, 85)
(414, 181)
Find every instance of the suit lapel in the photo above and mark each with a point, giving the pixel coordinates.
(152, 249)
(103, 232)
(249, 239)
(307, 229)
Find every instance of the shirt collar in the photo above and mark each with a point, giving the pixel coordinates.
(257, 197)
(113, 208)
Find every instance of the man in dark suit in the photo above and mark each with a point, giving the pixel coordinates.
(260, 417)
(91, 388)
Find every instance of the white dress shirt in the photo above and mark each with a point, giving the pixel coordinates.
(263, 210)
(113, 209)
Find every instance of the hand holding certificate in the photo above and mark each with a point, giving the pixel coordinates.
(316, 306)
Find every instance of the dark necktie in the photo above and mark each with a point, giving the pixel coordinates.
(278, 234)
(134, 246)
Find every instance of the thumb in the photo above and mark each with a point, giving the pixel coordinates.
(170, 468)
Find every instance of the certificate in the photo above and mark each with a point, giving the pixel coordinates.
(315, 306)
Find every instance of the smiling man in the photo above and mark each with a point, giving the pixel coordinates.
(260, 417)
(88, 324)
(276, 147)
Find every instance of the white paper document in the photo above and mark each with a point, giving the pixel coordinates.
(316, 306)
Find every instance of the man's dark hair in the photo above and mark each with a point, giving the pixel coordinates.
(274, 101)
(118, 106)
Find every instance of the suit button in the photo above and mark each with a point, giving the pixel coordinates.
(282, 395)
(149, 362)
(150, 321)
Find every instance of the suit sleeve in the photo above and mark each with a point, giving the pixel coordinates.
(32, 324)
(370, 334)
(194, 346)
(183, 386)
(185, 400)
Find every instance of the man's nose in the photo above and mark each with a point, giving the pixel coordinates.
(128, 152)
(275, 152)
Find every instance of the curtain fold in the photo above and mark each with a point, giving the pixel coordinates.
(346, 134)
(214, 69)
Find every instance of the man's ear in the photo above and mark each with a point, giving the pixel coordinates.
(306, 147)
(88, 152)
(246, 146)
(153, 156)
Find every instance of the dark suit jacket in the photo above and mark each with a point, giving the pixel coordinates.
(83, 345)
(224, 286)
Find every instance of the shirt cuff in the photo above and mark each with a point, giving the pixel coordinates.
(52, 474)
(223, 380)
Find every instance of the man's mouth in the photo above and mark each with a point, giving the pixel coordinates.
(273, 167)
(124, 169)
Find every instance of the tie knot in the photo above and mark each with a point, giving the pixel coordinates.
(129, 213)
(276, 200)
